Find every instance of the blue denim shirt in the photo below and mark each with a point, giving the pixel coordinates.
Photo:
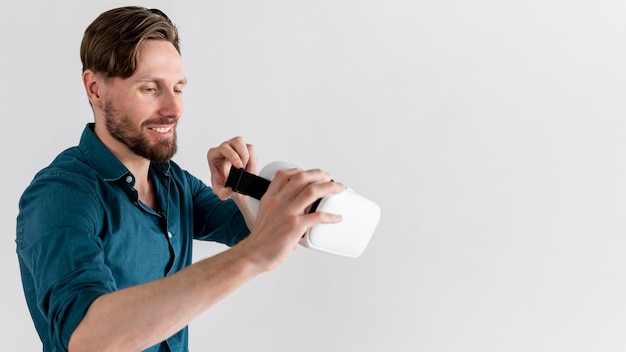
(82, 232)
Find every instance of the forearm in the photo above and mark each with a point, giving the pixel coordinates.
(244, 208)
(138, 317)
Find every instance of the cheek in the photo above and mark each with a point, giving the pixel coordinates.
(134, 110)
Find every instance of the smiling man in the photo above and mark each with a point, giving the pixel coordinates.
(105, 232)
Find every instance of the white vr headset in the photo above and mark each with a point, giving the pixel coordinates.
(347, 238)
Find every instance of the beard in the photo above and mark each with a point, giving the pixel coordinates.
(120, 127)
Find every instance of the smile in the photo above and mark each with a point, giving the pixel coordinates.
(162, 129)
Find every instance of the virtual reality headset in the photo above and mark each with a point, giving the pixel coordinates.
(347, 238)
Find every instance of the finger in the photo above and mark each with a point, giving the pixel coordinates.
(317, 218)
(298, 181)
(238, 152)
(252, 163)
(302, 188)
(280, 180)
(313, 192)
(232, 151)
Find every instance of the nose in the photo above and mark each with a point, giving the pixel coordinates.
(172, 104)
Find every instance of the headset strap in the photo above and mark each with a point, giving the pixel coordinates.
(254, 186)
(247, 183)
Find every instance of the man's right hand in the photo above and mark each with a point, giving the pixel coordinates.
(282, 218)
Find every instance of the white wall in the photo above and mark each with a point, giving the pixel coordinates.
(490, 132)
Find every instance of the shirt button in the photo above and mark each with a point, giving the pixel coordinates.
(129, 179)
(169, 235)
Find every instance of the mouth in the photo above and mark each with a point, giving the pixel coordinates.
(161, 131)
(161, 127)
(164, 130)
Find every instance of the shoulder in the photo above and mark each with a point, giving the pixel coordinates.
(69, 167)
(69, 181)
(62, 196)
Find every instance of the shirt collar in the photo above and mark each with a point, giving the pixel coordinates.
(103, 161)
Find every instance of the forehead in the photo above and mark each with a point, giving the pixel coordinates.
(159, 59)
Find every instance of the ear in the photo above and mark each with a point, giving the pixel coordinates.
(94, 84)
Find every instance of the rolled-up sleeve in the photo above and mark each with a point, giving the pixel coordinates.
(60, 252)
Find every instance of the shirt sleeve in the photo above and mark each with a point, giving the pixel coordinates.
(60, 252)
(214, 219)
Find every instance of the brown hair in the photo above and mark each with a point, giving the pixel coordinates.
(111, 43)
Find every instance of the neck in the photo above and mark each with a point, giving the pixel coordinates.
(140, 167)
(137, 165)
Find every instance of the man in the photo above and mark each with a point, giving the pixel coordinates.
(104, 233)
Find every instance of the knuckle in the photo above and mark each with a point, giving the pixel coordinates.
(282, 174)
(311, 191)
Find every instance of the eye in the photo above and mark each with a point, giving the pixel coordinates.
(150, 90)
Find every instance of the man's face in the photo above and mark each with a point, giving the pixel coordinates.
(141, 111)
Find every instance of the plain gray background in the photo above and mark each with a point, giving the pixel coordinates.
(490, 132)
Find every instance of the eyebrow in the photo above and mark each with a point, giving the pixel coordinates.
(182, 81)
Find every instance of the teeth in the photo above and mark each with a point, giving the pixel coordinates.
(162, 129)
